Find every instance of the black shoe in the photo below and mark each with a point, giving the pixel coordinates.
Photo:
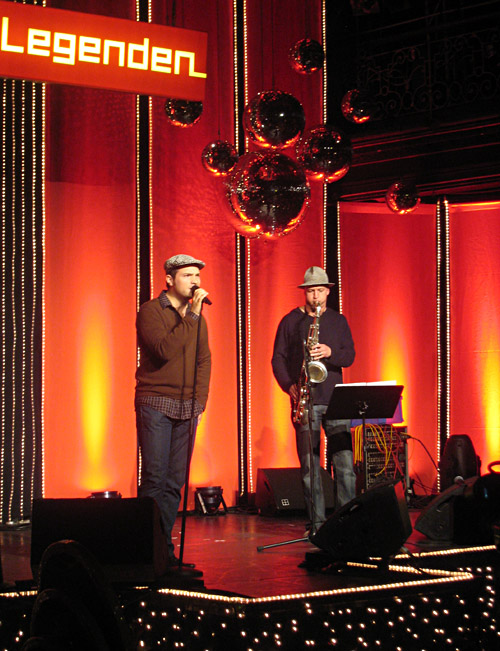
(313, 530)
(174, 561)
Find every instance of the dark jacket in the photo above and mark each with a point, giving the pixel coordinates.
(288, 353)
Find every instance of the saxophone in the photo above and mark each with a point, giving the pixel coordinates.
(312, 371)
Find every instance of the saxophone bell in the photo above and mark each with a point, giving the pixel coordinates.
(316, 369)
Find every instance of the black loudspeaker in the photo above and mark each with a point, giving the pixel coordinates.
(464, 513)
(459, 460)
(123, 534)
(374, 525)
(279, 491)
(437, 520)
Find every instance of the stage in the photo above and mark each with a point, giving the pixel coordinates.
(429, 596)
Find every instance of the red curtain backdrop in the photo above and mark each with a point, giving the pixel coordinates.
(89, 430)
(389, 299)
(277, 267)
(475, 326)
(388, 274)
(190, 215)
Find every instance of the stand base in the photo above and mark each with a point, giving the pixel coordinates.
(286, 542)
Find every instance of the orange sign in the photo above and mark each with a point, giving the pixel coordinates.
(68, 47)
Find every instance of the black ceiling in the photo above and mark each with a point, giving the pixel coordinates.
(430, 70)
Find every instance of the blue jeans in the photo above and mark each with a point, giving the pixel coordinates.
(164, 449)
(344, 477)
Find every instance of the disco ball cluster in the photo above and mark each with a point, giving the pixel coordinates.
(269, 191)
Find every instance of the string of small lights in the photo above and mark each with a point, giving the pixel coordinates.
(396, 616)
(443, 326)
(14, 340)
(3, 405)
(239, 17)
(22, 268)
(445, 608)
(324, 113)
(43, 140)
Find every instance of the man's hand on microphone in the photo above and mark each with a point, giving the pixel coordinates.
(198, 295)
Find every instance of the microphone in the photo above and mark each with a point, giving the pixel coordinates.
(205, 300)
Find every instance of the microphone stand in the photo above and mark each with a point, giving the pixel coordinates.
(311, 452)
(192, 431)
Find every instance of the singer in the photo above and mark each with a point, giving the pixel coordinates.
(167, 331)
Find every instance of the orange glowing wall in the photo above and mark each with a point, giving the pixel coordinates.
(89, 354)
(475, 326)
(389, 298)
(90, 311)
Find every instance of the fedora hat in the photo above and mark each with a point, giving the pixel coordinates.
(315, 276)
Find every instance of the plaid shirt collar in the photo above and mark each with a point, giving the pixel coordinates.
(165, 301)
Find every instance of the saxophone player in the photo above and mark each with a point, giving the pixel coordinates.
(315, 334)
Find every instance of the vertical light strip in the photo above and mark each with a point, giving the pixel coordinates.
(238, 240)
(248, 295)
(34, 275)
(443, 325)
(138, 207)
(339, 257)
(239, 317)
(150, 181)
(137, 191)
(4, 275)
(235, 76)
(249, 367)
(245, 59)
(13, 295)
(23, 292)
(439, 259)
(44, 230)
(43, 175)
(448, 317)
(325, 69)
(324, 113)
(150, 172)
(324, 222)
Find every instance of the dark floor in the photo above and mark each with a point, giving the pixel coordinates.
(248, 599)
(224, 548)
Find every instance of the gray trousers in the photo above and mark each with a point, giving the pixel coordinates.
(344, 477)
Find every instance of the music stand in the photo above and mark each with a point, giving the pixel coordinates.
(364, 401)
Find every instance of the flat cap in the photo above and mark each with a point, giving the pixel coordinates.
(182, 260)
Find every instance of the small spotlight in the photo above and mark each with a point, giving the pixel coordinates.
(208, 499)
(104, 495)
(459, 461)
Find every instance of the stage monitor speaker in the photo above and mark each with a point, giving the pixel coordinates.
(123, 534)
(464, 513)
(279, 491)
(436, 521)
(373, 525)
